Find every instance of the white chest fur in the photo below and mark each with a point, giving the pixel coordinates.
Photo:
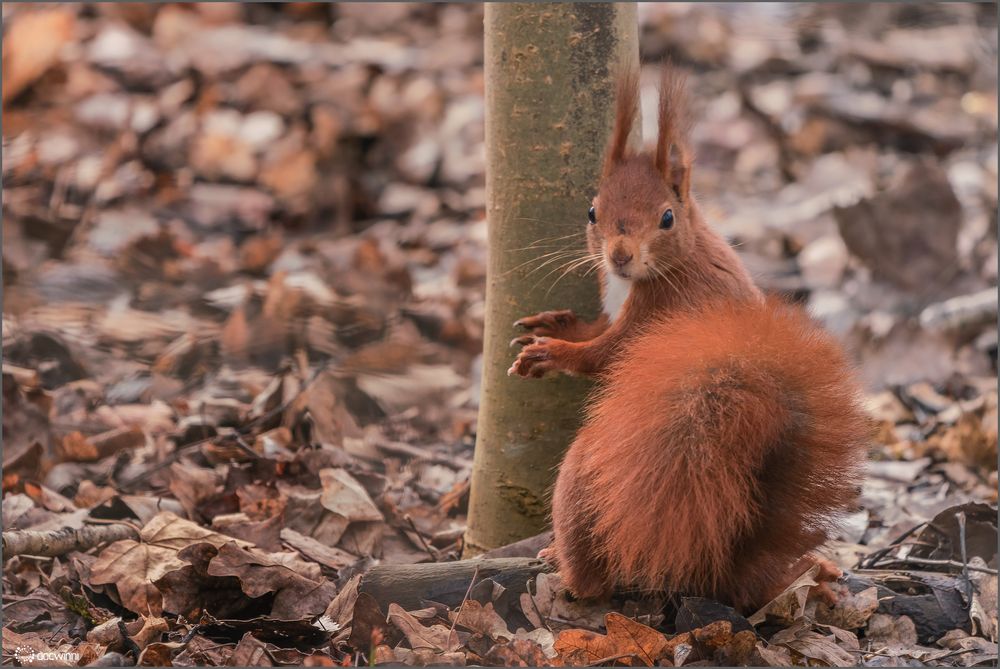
(615, 293)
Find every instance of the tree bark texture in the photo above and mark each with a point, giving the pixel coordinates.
(550, 73)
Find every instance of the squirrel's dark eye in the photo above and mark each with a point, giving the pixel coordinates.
(667, 220)
(592, 216)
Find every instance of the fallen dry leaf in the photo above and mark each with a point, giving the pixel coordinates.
(716, 641)
(813, 646)
(790, 604)
(151, 630)
(31, 46)
(896, 632)
(133, 566)
(192, 485)
(369, 626)
(295, 595)
(517, 653)
(481, 618)
(851, 611)
(582, 647)
(331, 557)
(343, 495)
(627, 636)
(341, 609)
(435, 638)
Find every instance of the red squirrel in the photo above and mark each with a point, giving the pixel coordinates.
(726, 434)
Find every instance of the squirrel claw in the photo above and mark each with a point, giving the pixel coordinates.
(550, 323)
(534, 359)
(523, 340)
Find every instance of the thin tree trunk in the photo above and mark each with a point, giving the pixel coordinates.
(550, 71)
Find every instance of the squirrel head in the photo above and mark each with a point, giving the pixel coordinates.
(643, 221)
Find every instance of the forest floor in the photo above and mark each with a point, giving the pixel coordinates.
(243, 265)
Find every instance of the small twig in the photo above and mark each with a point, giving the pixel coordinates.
(186, 639)
(246, 448)
(869, 560)
(945, 563)
(464, 599)
(960, 517)
(423, 542)
(54, 633)
(544, 619)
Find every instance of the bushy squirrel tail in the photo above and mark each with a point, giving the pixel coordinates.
(722, 447)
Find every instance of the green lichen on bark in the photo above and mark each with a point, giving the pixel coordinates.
(550, 71)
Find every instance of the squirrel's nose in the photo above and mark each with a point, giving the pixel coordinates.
(621, 257)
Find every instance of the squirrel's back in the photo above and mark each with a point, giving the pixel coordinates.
(721, 447)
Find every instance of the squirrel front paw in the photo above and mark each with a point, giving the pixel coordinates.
(828, 573)
(536, 358)
(548, 323)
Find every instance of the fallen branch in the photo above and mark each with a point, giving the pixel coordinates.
(932, 600)
(59, 542)
(409, 585)
(524, 548)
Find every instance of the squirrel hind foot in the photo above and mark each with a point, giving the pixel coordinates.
(578, 585)
(582, 580)
(548, 555)
(588, 588)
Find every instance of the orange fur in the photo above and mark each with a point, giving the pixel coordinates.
(719, 449)
(626, 108)
(727, 434)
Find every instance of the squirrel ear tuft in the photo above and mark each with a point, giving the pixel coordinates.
(626, 108)
(674, 123)
(680, 175)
